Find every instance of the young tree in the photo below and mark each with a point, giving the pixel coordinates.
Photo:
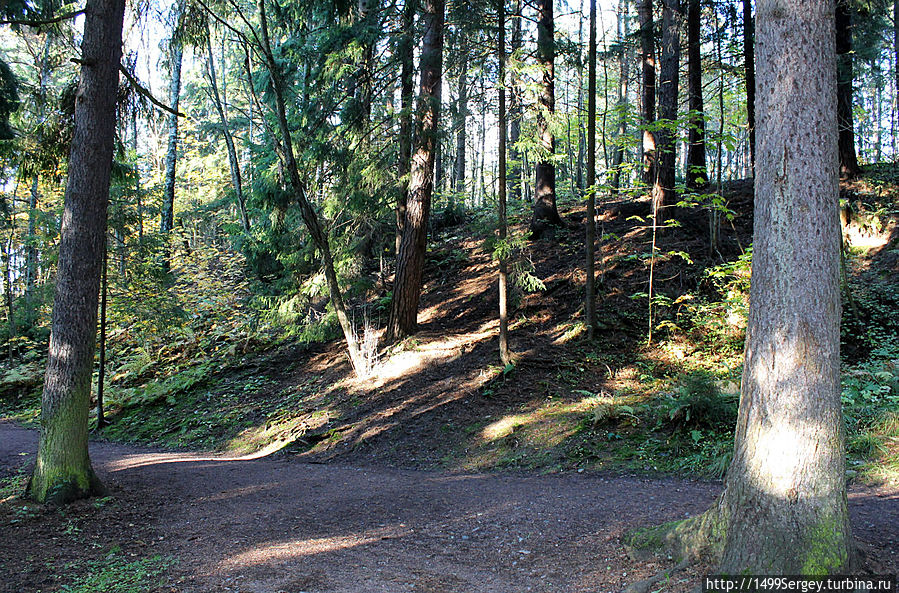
(590, 223)
(515, 111)
(623, 75)
(175, 55)
(545, 209)
(62, 470)
(404, 50)
(749, 73)
(410, 257)
(505, 353)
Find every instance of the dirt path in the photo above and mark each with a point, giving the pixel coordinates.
(275, 525)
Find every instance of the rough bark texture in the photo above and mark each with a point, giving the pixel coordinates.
(62, 471)
(410, 257)
(785, 497)
(545, 209)
(648, 59)
(697, 172)
(663, 193)
(404, 50)
(848, 160)
(590, 223)
(749, 73)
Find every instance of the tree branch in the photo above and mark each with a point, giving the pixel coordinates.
(42, 22)
(141, 90)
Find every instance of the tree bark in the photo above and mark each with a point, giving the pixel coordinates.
(62, 470)
(749, 73)
(697, 170)
(648, 103)
(545, 210)
(590, 223)
(310, 218)
(515, 112)
(233, 162)
(461, 116)
(101, 371)
(848, 160)
(785, 493)
(410, 258)
(176, 52)
(404, 50)
(505, 353)
(623, 75)
(663, 188)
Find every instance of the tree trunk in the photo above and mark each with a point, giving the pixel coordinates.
(663, 189)
(404, 50)
(505, 354)
(590, 224)
(623, 75)
(101, 371)
(461, 116)
(545, 209)
(62, 470)
(785, 493)
(176, 52)
(515, 167)
(648, 59)
(233, 162)
(5, 249)
(697, 171)
(310, 218)
(749, 74)
(410, 257)
(848, 160)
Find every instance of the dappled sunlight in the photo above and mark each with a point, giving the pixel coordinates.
(144, 459)
(299, 548)
(546, 426)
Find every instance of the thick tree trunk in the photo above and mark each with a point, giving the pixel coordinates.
(310, 218)
(749, 73)
(233, 162)
(505, 353)
(697, 171)
(545, 210)
(404, 50)
(515, 112)
(648, 103)
(848, 160)
(410, 258)
(623, 75)
(62, 470)
(663, 192)
(785, 497)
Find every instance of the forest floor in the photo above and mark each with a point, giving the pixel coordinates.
(196, 523)
(318, 481)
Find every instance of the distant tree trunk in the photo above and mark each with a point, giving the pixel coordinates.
(461, 116)
(5, 249)
(749, 73)
(404, 50)
(505, 353)
(848, 160)
(515, 112)
(663, 189)
(648, 59)
(545, 209)
(410, 258)
(233, 162)
(697, 171)
(896, 71)
(623, 76)
(310, 218)
(581, 138)
(590, 298)
(137, 189)
(176, 52)
(62, 470)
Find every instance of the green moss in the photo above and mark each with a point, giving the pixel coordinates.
(686, 539)
(825, 548)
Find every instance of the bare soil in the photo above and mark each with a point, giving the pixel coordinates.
(276, 524)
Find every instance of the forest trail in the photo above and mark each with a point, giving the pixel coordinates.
(273, 524)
